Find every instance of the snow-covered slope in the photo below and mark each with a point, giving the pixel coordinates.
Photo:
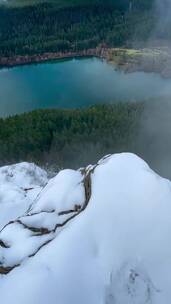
(100, 235)
(19, 186)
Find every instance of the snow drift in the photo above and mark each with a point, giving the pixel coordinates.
(99, 235)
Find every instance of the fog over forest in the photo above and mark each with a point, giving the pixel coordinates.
(155, 132)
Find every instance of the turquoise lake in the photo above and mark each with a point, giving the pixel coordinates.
(74, 83)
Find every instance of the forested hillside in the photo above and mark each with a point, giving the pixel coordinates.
(36, 27)
(69, 137)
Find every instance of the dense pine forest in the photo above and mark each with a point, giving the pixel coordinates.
(69, 137)
(63, 26)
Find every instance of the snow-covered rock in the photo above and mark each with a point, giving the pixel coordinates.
(100, 235)
(19, 186)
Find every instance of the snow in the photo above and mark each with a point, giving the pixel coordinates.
(60, 191)
(19, 186)
(115, 250)
(23, 175)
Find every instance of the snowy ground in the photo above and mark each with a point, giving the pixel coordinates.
(100, 235)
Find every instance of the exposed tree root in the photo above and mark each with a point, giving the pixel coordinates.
(3, 245)
(6, 270)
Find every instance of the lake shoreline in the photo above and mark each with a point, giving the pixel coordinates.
(155, 60)
(14, 61)
(149, 60)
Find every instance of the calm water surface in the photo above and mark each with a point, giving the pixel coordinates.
(73, 83)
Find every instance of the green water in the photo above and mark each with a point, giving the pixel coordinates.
(73, 83)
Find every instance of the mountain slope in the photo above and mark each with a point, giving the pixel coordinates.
(98, 235)
(71, 26)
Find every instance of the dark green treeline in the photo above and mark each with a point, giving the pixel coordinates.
(48, 27)
(69, 138)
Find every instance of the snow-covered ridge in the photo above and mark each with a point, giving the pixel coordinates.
(99, 235)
